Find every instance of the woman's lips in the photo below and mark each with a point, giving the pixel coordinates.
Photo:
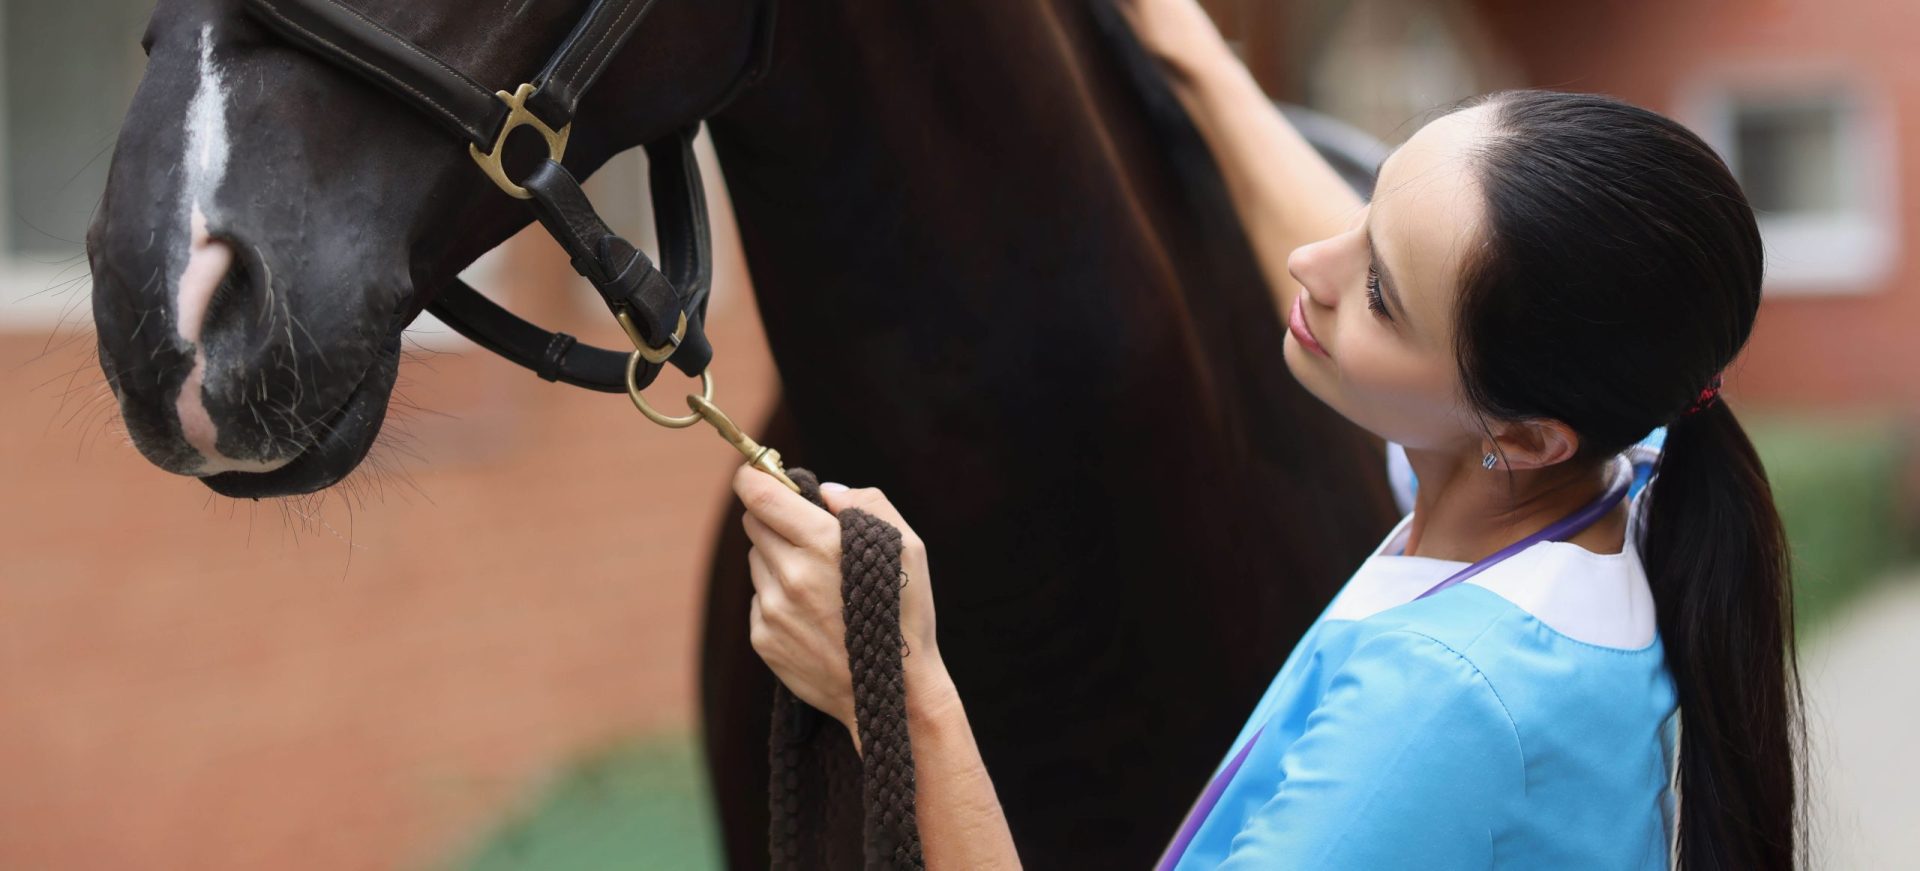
(1297, 325)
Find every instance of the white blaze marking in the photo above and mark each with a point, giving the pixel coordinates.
(206, 126)
(208, 259)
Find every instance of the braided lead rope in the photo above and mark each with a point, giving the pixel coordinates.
(813, 769)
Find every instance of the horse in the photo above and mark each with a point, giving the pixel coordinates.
(1000, 277)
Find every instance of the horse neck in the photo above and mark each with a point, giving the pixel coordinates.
(992, 125)
(906, 162)
(996, 239)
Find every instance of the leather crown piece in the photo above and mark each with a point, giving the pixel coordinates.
(625, 278)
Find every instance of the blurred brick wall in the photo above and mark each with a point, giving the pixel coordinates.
(1813, 352)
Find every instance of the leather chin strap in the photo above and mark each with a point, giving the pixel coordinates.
(653, 303)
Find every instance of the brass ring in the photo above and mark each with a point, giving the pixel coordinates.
(653, 414)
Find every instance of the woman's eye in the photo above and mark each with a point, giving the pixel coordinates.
(1374, 300)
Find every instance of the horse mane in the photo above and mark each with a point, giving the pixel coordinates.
(1175, 134)
(1226, 290)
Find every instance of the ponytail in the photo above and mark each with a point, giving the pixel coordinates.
(1619, 272)
(1716, 559)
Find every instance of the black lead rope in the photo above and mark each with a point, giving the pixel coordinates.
(829, 807)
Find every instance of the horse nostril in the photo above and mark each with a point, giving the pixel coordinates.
(209, 261)
(225, 308)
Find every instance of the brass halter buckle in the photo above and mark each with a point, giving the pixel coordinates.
(518, 116)
(651, 354)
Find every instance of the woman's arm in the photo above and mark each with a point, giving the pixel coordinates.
(961, 823)
(798, 629)
(1286, 194)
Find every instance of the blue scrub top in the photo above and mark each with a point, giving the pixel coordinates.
(1455, 731)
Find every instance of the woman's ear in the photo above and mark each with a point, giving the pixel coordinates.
(1534, 444)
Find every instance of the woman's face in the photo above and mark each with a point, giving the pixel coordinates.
(1372, 336)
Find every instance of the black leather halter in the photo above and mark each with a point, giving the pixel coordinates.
(661, 313)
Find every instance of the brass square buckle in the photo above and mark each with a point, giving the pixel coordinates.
(518, 116)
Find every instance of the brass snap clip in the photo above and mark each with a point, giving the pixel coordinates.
(518, 116)
(759, 456)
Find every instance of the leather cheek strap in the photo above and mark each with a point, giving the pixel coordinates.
(680, 216)
(626, 279)
(580, 60)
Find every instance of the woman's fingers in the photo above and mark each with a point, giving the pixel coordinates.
(760, 636)
(762, 535)
(916, 598)
(782, 510)
(764, 580)
(795, 620)
(772, 560)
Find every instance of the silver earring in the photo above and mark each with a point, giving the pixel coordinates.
(1489, 461)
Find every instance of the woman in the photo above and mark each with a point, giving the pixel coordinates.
(1540, 281)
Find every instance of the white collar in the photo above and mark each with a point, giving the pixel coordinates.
(1598, 599)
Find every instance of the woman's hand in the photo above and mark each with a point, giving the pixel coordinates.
(797, 624)
(798, 629)
(1179, 34)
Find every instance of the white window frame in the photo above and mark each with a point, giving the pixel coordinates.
(35, 295)
(1851, 251)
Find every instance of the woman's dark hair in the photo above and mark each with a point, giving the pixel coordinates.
(1619, 273)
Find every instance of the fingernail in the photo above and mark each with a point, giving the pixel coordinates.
(831, 487)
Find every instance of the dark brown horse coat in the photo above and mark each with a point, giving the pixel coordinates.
(1002, 281)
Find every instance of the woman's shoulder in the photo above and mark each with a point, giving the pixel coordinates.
(1421, 671)
(1540, 676)
(1515, 650)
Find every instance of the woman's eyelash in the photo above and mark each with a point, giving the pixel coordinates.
(1374, 301)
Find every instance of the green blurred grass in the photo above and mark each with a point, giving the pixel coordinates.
(644, 804)
(1838, 484)
(638, 805)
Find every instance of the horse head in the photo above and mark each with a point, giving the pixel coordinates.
(272, 222)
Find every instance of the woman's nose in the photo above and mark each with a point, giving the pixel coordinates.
(1314, 265)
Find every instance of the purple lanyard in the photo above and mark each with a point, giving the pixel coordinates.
(1561, 530)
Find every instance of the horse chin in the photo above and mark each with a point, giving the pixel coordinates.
(345, 438)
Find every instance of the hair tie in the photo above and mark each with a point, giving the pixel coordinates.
(1708, 396)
